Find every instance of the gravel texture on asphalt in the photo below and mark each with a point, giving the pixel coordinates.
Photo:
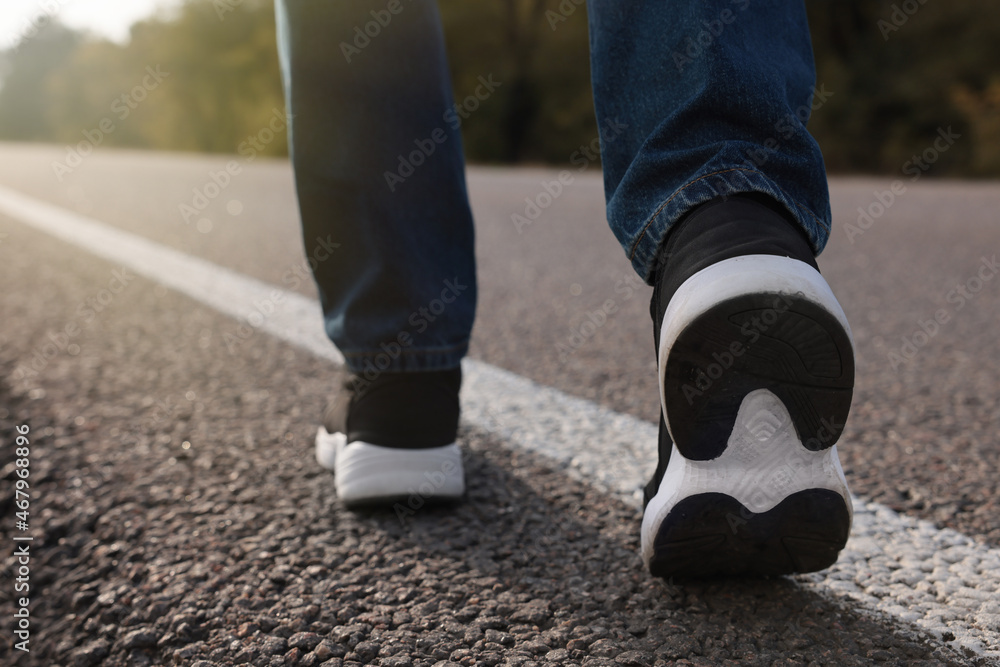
(179, 518)
(892, 563)
(923, 438)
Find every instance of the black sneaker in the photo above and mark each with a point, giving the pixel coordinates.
(393, 439)
(756, 370)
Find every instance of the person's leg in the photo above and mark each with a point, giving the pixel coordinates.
(700, 100)
(388, 232)
(718, 196)
(380, 179)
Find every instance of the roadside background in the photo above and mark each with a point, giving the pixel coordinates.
(897, 71)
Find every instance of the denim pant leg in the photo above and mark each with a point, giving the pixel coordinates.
(699, 99)
(380, 179)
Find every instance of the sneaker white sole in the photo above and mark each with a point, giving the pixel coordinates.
(753, 484)
(768, 505)
(371, 474)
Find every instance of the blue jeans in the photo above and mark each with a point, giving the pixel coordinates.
(695, 100)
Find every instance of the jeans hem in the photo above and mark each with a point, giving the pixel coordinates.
(717, 184)
(390, 359)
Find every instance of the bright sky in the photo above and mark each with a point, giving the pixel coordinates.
(108, 18)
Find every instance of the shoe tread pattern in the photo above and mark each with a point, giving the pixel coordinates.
(802, 354)
(713, 534)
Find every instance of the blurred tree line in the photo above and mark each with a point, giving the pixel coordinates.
(899, 70)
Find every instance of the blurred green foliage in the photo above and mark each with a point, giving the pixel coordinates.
(898, 70)
(220, 82)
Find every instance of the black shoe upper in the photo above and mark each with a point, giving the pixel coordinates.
(406, 410)
(718, 230)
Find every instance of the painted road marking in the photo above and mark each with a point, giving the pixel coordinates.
(941, 581)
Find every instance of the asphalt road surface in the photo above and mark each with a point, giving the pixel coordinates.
(177, 515)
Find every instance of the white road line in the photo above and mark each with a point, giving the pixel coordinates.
(939, 580)
(295, 318)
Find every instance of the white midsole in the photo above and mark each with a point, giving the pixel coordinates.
(738, 276)
(364, 471)
(764, 463)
